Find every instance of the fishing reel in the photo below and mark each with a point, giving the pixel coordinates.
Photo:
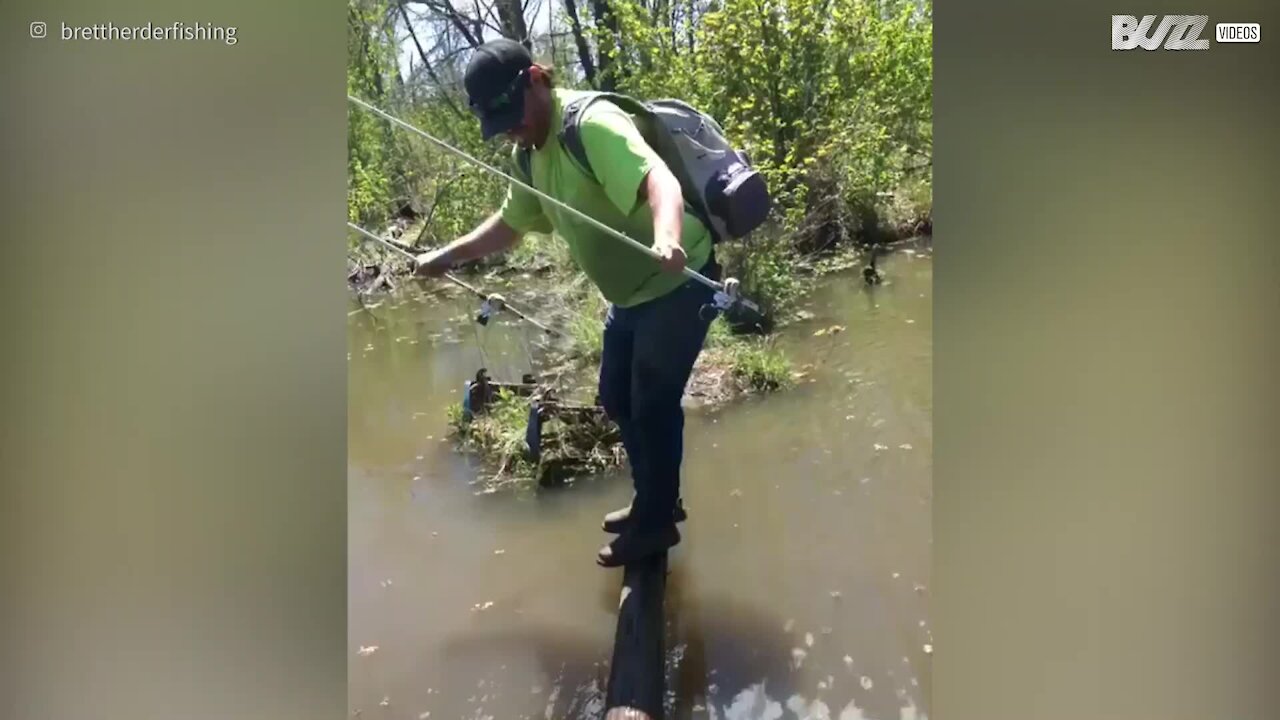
(492, 304)
(726, 299)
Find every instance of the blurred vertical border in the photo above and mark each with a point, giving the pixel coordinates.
(1107, 328)
(174, 385)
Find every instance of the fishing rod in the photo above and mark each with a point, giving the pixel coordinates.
(491, 302)
(727, 292)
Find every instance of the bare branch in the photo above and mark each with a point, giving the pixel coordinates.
(443, 9)
(584, 51)
(444, 92)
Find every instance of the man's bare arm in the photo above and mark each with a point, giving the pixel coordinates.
(491, 236)
(662, 191)
(666, 201)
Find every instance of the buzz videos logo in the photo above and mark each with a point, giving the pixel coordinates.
(1176, 32)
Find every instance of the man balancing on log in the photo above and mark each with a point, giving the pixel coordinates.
(655, 327)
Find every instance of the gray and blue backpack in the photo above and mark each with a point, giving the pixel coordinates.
(720, 187)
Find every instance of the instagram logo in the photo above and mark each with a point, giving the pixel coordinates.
(39, 30)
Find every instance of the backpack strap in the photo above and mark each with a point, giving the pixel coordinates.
(571, 126)
(570, 133)
(524, 165)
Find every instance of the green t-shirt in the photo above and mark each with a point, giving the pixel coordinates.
(620, 158)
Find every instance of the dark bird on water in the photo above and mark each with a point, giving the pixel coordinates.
(870, 273)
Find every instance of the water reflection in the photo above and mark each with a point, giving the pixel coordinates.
(801, 595)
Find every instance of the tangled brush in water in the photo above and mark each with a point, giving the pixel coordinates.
(576, 442)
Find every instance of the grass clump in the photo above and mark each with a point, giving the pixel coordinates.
(719, 335)
(498, 434)
(734, 365)
(581, 445)
(759, 365)
(754, 363)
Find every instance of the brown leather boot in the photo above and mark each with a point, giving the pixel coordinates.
(617, 521)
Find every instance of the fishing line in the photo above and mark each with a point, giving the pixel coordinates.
(528, 350)
(484, 359)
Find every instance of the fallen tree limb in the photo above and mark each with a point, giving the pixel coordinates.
(637, 673)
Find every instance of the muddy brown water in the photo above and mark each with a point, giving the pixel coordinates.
(802, 586)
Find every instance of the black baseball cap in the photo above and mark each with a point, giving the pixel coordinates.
(495, 80)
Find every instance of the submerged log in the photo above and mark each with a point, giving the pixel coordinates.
(636, 675)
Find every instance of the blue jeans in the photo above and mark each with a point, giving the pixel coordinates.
(648, 355)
